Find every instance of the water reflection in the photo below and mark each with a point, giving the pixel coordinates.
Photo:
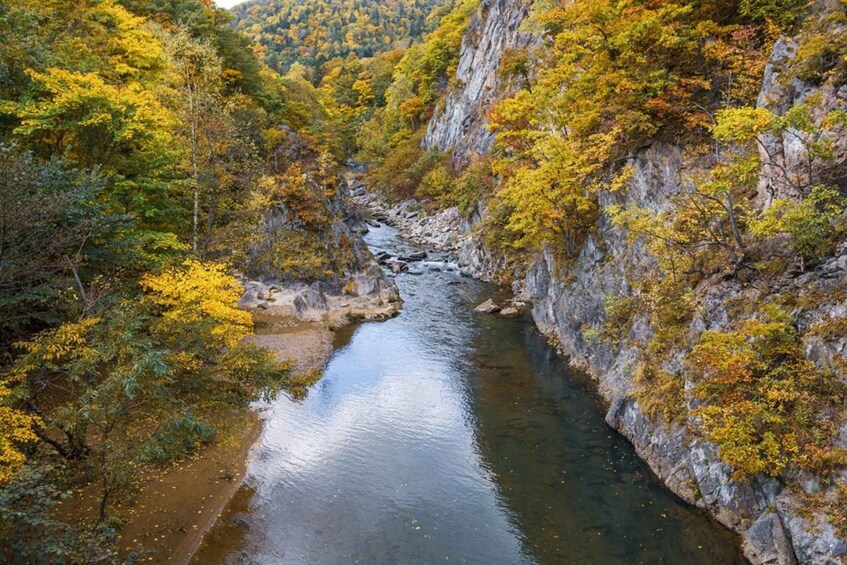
(442, 435)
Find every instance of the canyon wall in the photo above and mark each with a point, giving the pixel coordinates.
(568, 300)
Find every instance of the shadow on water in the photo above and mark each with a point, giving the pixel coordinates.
(445, 435)
(574, 488)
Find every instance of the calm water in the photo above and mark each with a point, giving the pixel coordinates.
(448, 436)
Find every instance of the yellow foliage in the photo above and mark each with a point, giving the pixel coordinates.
(16, 428)
(131, 47)
(91, 119)
(200, 295)
(47, 351)
(740, 125)
(765, 404)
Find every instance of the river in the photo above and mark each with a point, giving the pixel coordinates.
(443, 435)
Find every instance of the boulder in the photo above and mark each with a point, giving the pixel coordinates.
(510, 312)
(412, 257)
(397, 266)
(487, 307)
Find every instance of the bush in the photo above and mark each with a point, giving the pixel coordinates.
(809, 223)
(436, 184)
(404, 169)
(765, 405)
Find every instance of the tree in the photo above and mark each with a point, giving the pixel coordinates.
(132, 378)
(765, 404)
(48, 220)
(810, 223)
(197, 71)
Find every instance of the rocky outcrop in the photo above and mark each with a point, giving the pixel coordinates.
(786, 165)
(367, 296)
(365, 293)
(568, 301)
(763, 510)
(459, 125)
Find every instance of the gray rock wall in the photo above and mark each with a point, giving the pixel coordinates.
(568, 300)
(460, 123)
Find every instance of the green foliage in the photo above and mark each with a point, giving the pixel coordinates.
(784, 13)
(404, 169)
(178, 437)
(765, 405)
(46, 221)
(130, 132)
(810, 223)
(132, 378)
(437, 183)
(419, 79)
(31, 532)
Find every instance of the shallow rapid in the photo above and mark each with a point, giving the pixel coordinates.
(443, 435)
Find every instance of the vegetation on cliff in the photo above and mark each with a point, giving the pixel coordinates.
(604, 81)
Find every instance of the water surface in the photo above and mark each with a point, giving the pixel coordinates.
(448, 436)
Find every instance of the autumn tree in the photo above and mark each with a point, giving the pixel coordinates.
(134, 375)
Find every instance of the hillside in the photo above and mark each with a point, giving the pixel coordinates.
(314, 32)
(150, 165)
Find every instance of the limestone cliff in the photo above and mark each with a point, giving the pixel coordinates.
(567, 301)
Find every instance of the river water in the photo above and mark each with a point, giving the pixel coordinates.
(448, 436)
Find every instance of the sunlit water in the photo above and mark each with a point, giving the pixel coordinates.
(448, 436)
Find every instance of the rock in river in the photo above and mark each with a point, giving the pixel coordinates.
(487, 307)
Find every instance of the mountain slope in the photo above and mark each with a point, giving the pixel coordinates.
(314, 32)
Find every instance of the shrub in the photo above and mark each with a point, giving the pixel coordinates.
(765, 405)
(809, 223)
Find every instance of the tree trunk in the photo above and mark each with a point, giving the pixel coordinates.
(196, 176)
(195, 165)
(733, 221)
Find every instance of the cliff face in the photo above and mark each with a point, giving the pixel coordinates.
(567, 301)
(460, 124)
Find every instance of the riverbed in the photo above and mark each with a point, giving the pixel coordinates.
(444, 435)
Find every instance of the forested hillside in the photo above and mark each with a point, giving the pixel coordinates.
(314, 32)
(146, 158)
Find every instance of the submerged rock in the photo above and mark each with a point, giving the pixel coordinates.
(510, 312)
(487, 307)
